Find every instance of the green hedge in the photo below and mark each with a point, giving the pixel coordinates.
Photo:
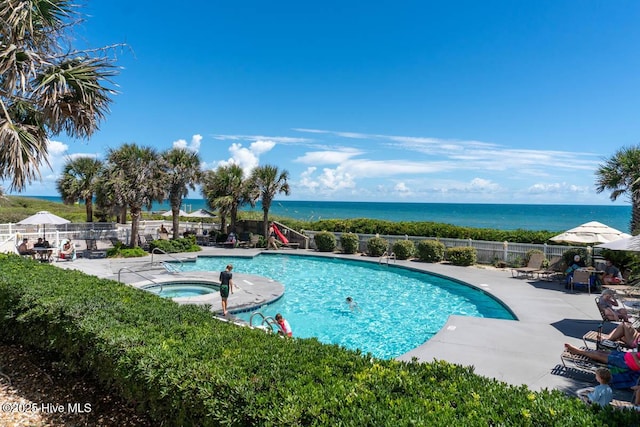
(172, 246)
(431, 251)
(325, 241)
(376, 246)
(185, 368)
(404, 249)
(350, 243)
(426, 229)
(462, 255)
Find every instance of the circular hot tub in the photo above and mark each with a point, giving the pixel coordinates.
(182, 289)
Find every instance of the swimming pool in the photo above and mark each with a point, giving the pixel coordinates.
(399, 308)
(181, 289)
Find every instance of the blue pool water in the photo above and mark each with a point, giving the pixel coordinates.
(181, 289)
(400, 308)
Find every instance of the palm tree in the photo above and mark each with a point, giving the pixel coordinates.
(227, 190)
(621, 175)
(269, 181)
(138, 175)
(78, 181)
(46, 87)
(182, 173)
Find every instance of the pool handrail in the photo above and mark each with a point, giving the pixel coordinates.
(267, 321)
(138, 274)
(160, 251)
(388, 256)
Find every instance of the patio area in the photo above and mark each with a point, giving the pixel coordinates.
(522, 352)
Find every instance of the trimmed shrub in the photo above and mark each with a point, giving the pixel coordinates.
(463, 255)
(350, 243)
(404, 249)
(325, 241)
(172, 246)
(431, 251)
(120, 250)
(376, 246)
(183, 367)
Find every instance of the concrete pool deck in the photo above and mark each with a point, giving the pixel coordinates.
(522, 352)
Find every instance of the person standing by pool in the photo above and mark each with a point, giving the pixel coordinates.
(285, 328)
(226, 286)
(271, 239)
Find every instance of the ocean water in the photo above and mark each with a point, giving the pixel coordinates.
(498, 216)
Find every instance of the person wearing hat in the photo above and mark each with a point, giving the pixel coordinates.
(577, 263)
(611, 307)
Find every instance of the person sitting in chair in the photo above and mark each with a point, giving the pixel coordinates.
(612, 275)
(25, 249)
(611, 307)
(576, 264)
(66, 252)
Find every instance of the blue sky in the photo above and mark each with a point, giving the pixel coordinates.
(414, 101)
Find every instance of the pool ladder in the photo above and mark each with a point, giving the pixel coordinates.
(386, 255)
(268, 323)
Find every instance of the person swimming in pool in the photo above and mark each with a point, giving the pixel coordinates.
(352, 304)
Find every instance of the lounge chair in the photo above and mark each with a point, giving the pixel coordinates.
(633, 313)
(556, 267)
(251, 242)
(534, 264)
(582, 278)
(66, 254)
(580, 362)
(596, 337)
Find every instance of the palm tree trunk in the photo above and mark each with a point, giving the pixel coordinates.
(88, 202)
(265, 221)
(175, 211)
(122, 217)
(635, 212)
(234, 218)
(135, 226)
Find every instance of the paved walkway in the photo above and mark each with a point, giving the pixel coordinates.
(526, 351)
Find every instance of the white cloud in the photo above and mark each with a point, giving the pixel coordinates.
(247, 158)
(328, 157)
(557, 188)
(401, 188)
(329, 181)
(194, 146)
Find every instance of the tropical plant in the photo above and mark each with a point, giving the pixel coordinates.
(621, 175)
(227, 190)
(46, 86)
(269, 181)
(182, 173)
(138, 175)
(79, 181)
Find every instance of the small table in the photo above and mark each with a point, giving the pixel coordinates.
(44, 254)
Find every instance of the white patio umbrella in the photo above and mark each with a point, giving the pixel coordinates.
(627, 244)
(180, 213)
(43, 218)
(201, 213)
(590, 232)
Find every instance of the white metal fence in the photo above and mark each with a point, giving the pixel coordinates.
(488, 252)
